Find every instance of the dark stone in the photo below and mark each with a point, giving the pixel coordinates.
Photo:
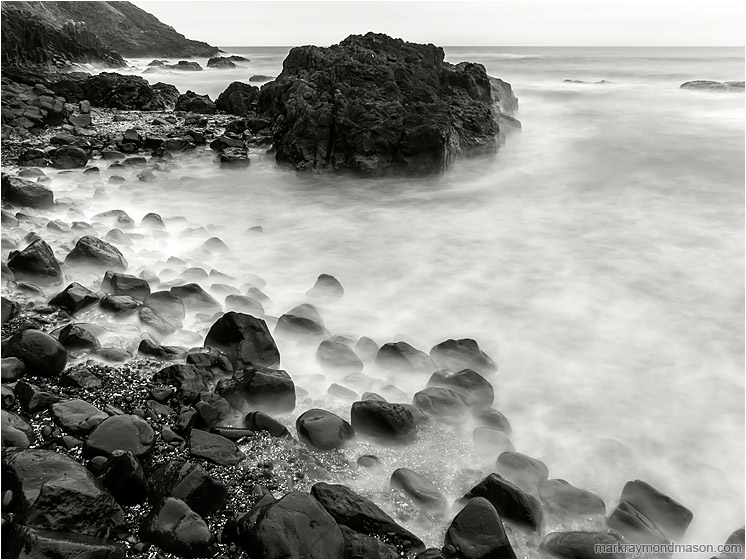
(295, 526)
(120, 284)
(34, 156)
(326, 287)
(74, 298)
(120, 304)
(123, 475)
(510, 501)
(260, 389)
(668, 515)
(222, 143)
(29, 542)
(83, 121)
(76, 337)
(32, 399)
(210, 359)
(475, 390)
(431, 553)
(220, 62)
(54, 492)
(76, 416)
(41, 354)
(423, 492)
(186, 65)
(336, 355)
(234, 158)
(21, 192)
(244, 304)
(191, 483)
(456, 355)
(69, 157)
(258, 421)
(126, 432)
(92, 251)
(16, 432)
(362, 515)
(736, 544)
(129, 93)
(214, 448)
(293, 326)
(562, 498)
(492, 418)
(188, 379)
(357, 545)
(635, 527)
(195, 103)
(323, 430)
(260, 78)
(10, 309)
(389, 422)
(166, 304)
(523, 471)
(161, 323)
(445, 404)
(237, 99)
(403, 357)
(176, 529)
(13, 369)
(581, 544)
(165, 353)
(36, 263)
(477, 532)
(244, 339)
(81, 379)
(194, 296)
(153, 220)
(710, 85)
(168, 94)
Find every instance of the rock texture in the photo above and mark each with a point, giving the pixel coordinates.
(377, 105)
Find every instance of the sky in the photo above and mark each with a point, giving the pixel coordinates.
(467, 23)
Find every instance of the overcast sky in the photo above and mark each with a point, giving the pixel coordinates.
(451, 23)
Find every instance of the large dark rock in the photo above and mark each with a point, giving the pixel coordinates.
(383, 421)
(402, 356)
(54, 492)
(191, 483)
(295, 526)
(358, 545)
(477, 532)
(238, 99)
(510, 501)
(667, 514)
(337, 355)
(636, 527)
(92, 251)
(563, 499)
(69, 157)
(362, 515)
(195, 103)
(123, 475)
(244, 339)
(581, 544)
(446, 405)
(36, 263)
(423, 492)
(41, 354)
(194, 296)
(257, 421)
(76, 416)
(176, 529)
(120, 284)
(117, 91)
(22, 192)
(77, 337)
(28, 542)
(126, 432)
(323, 430)
(221, 63)
(455, 355)
(475, 390)
(74, 298)
(259, 388)
(16, 432)
(523, 471)
(188, 379)
(215, 448)
(378, 105)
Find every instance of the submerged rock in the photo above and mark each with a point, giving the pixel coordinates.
(523, 471)
(323, 430)
(563, 499)
(40, 353)
(456, 355)
(404, 357)
(475, 390)
(92, 251)
(477, 532)
(713, 86)
(36, 263)
(423, 492)
(380, 420)
(581, 544)
(511, 502)
(74, 298)
(244, 339)
(178, 530)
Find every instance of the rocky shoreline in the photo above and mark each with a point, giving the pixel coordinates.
(142, 449)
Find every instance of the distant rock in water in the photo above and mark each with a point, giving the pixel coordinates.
(387, 107)
(221, 62)
(582, 82)
(713, 86)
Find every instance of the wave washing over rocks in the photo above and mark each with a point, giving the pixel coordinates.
(118, 444)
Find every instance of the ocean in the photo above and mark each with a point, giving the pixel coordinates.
(598, 257)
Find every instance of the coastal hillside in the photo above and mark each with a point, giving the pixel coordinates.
(58, 33)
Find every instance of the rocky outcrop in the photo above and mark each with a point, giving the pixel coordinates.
(238, 99)
(713, 86)
(377, 105)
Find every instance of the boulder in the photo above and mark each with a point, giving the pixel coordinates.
(176, 529)
(326, 287)
(119, 284)
(523, 471)
(362, 515)
(244, 304)
(29, 542)
(336, 355)
(31, 398)
(563, 499)
(193, 295)
(383, 421)
(581, 544)
(164, 324)
(53, 492)
(215, 448)
(445, 404)
(668, 515)
(477, 532)
(123, 475)
(92, 251)
(188, 379)
(401, 356)
(40, 353)
(10, 309)
(221, 63)
(36, 263)
(191, 483)
(387, 107)
(295, 526)
(238, 99)
(165, 353)
(77, 337)
(456, 355)
(195, 103)
(16, 432)
(76, 416)
(166, 304)
(423, 492)
(491, 418)
(234, 158)
(69, 157)
(634, 526)
(323, 430)
(185, 65)
(21, 192)
(302, 328)
(259, 388)
(120, 304)
(258, 421)
(511, 502)
(475, 390)
(357, 545)
(117, 91)
(126, 432)
(710, 85)
(74, 298)
(244, 339)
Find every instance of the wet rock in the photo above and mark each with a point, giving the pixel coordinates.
(580, 544)
(336, 355)
(120, 284)
(74, 298)
(362, 515)
(671, 517)
(81, 379)
(188, 379)
(357, 545)
(176, 529)
(221, 62)
(166, 304)
(194, 296)
(735, 543)
(214, 448)
(54, 492)
(491, 418)
(120, 304)
(222, 143)
(511, 502)
(432, 553)
(562, 498)
(342, 392)
(8, 398)
(10, 309)
(92, 251)
(244, 304)
(165, 353)
(366, 348)
(444, 404)
(234, 158)
(21, 192)
(456, 355)
(258, 421)
(36, 263)
(126, 92)
(523, 471)
(260, 78)
(244, 339)
(152, 220)
(118, 236)
(76, 337)
(238, 99)
(12, 369)
(190, 483)
(126, 432)
(323, 430)
(123, 475)
(292, 326)
(76, 416)
(69, 157)
(477, 532)
(389, 422)
(713, 86)
(16, 432)
(29, 542)
(195, 103)
(490, 442)
(40, 353)
(162, 324)
(31, 398)
(295, 526)
(403, 357)
(475, 390)
(210, 359)
(635, 527)
(326, 287)
(423, 492)
(213, 410)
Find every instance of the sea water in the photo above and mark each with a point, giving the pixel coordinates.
(598, 258)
